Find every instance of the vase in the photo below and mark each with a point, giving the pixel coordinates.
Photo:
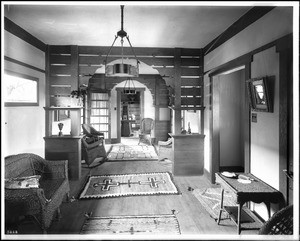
(79, 102)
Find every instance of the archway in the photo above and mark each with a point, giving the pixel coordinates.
(156, 97)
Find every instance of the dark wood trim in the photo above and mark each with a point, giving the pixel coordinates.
(118, 116)
(280, 43)
(74, 70)
(215, 128)
(48, 126)
(247, 126)
(240, 61)
(23, 64)
(177, 90)
(247, 19)
(16, 30)
(285, 80)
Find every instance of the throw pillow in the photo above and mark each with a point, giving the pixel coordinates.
(23, 182)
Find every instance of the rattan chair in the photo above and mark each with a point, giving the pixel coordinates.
(147, 125)
(281, 223)
(90, 131)
(92, 149)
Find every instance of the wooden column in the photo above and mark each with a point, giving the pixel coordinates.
(177, 91)
(74, 67)
(201, 76)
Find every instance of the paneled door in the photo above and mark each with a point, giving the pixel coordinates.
(100, 113)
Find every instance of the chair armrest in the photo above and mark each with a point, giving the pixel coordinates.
(25, 200)
(56, 169)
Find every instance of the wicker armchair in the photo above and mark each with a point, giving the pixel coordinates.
(147, 125)
(92, 149)
(280, 223)
(90, 131)
(43, 202)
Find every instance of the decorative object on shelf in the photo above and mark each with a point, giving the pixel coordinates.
(124, 67)
(260, 94)
(60, 127)
(80, 94)
(189, 128)
(183, 132)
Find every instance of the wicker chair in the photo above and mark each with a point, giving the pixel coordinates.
(147, 125)
(90, 131)
(281, 223)
(43, 202)
(92, 149)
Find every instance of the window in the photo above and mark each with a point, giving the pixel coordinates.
(20, 89)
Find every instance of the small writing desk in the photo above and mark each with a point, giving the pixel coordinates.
(257, 191)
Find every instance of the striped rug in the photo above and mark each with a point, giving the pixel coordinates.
(132, 225)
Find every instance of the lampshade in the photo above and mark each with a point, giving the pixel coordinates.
(129, 88)
(122, 69)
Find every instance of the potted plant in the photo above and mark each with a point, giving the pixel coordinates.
(80, 94)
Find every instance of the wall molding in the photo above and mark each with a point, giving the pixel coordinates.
(243, 22)
(16, 30)
(23, 64)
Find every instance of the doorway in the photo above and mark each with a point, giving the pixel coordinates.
(229, 120)
(130, 111)
(231, 86)
(130, 114)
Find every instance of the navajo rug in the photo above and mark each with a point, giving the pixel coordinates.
(210, 200)
(132, 225)
(132, 153)
(138, 184)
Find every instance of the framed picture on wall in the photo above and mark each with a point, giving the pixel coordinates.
(20, 89)
(259, 94)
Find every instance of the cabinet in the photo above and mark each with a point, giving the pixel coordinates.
(68, 145)
(188, 151)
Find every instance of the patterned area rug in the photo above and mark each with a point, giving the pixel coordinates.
(140, 184)
(210, 200)
(132, 153)
(132, 225)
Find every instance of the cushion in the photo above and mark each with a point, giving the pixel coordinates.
(23, 182)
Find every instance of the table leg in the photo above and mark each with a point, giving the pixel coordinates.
(221, 205)
(240, 206)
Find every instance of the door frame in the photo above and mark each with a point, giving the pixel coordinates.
(214, 116)
(142, 104)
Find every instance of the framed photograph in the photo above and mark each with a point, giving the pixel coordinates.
(259, 94)
(20, 89)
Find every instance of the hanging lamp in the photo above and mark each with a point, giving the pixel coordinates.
(124, 67)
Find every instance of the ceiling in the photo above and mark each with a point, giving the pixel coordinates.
(158, 24)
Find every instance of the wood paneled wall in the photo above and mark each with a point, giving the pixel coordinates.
(70, 66)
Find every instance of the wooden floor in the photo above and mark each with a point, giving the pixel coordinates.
(193, 219)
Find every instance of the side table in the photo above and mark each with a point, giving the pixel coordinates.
(257, 191)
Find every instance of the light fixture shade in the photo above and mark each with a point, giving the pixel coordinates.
(121, 70)
(129, 91)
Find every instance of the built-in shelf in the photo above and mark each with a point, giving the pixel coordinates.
(187, 108)
(63, 108)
